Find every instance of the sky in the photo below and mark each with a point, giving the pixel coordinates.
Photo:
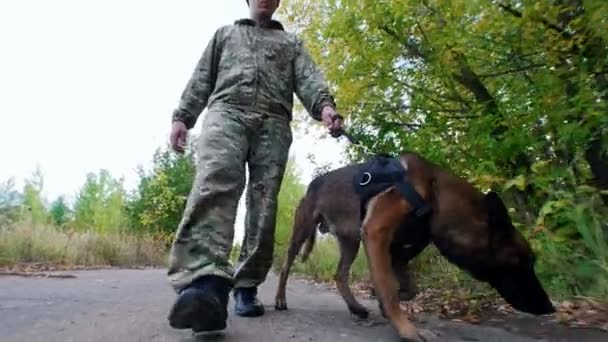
(91, 84)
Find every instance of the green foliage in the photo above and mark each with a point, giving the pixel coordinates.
(572, 235)
(10, 200)
(290, 194)
(508, 94)
(158, 202)
(60, 212)
(235, 252)
(32, 205)
(100, 204)
(104, 226)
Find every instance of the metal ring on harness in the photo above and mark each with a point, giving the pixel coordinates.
(366, 181)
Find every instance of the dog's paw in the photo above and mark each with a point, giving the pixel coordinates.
(418, 335)
(360, 313)
(412, 339)
(280, 304)
(381, 308)
(427, 335)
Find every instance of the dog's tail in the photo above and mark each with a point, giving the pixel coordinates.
(305, 222)
(309, 245)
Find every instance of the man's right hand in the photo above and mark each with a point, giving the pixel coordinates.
(179, 133)
(332, 120)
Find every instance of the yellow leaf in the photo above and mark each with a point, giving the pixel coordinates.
(536, 167)
(519, 182)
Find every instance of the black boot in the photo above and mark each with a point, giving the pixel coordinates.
(246, 302)
(202, 306)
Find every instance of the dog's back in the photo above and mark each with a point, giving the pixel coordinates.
(333, 193)
(330, 204)
(331, 197)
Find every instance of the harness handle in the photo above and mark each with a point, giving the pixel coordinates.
(367, 178)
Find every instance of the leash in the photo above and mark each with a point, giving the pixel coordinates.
(342, 132)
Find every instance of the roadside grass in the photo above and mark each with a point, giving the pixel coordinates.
(25, 242)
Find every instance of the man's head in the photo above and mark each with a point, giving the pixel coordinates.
(262, 9)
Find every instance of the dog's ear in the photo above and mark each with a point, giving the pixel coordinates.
(498, 215)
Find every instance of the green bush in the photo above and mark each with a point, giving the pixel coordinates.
(289, 196)
(159, 200)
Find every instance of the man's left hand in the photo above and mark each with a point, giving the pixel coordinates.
(332, 120)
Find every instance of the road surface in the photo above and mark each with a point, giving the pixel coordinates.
(132, 305)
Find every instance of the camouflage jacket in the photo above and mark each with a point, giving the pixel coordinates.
(257, 69)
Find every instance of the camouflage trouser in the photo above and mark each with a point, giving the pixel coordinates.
(229, 140)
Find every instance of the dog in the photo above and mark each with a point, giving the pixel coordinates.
(408, 202)
(331, 205)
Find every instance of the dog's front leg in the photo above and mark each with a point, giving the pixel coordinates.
(384, 214)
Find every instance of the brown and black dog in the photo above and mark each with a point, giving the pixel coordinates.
(331, 205)
(471, 229)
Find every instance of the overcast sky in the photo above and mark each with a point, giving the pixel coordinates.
(91, 84)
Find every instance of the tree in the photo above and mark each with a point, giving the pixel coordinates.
(60, 212)
(33, 205)
(158, 202)
(10, 200)
(100, 203)
(461, 81)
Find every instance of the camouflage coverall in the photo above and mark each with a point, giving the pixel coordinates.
(246, 77)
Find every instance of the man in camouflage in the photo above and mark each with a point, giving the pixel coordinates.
(246, 78)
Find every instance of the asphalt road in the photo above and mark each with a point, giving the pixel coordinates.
(132, 305)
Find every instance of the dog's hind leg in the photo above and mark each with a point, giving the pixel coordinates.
(295, 245)
(348, 253)
(382, 220)
(304, 225)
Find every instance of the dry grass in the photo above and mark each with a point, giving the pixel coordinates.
(29, 243)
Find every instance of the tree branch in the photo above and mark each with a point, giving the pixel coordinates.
(511, 10)
(511, 71)
(601, 72)
(546, 22)
(597, 162)
(409, 125)
(461, 117)
(398, 108)
(412, 49)
(470, 80)
(422, 32)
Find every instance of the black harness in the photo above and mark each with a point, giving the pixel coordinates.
(382, 172)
